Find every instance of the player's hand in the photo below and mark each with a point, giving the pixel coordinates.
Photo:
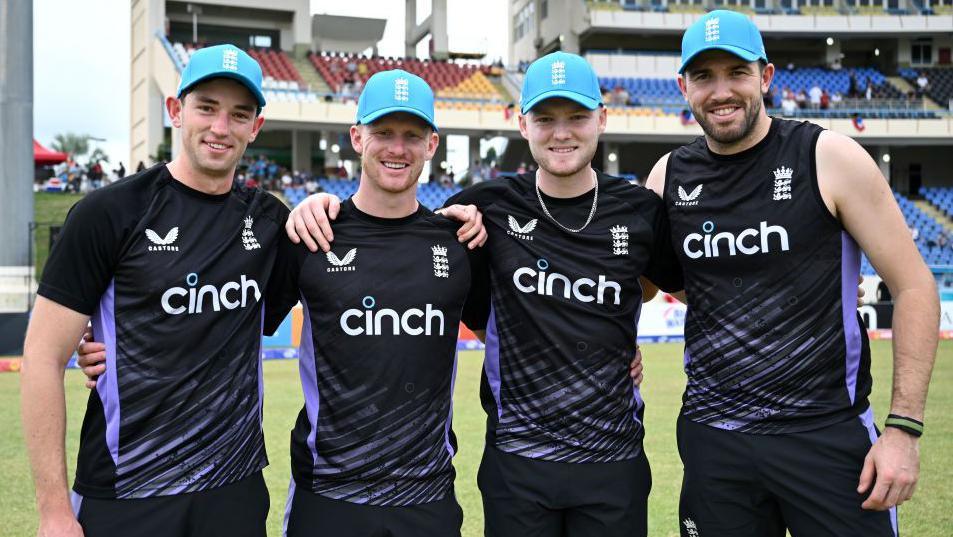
(860, 291)
(59, 526)
(635, 367)
(91, 358)
(310, 221)
(472, 229)
(892, 467)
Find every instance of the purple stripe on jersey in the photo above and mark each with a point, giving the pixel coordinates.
(288, 502)
(491, 361)
(76, 501)
(261, 373)
(309, 377)
(850, 272)
(446, 428)
(867, 418)
(687, 359)
(636, 394)
(107, 385)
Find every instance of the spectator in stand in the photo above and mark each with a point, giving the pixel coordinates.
(869, 92)
(521, 169)
(915, 234)
(815, 96)
(620, 96)
(477, 175)
(942, 241)
(362, 71)
(286, 180)
(801, 99)
(120, 171)
(825, 100)
(923, 84)
(768, 98)
(788, 104)
(141, 166)
(852, 87)
(836, 99)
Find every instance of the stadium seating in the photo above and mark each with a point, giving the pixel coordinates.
(276, 66)
(832, 81)
(277, 70)
(940, 87)
(432, 195)
(940, 197)
(447, 79)
(929, 229)
(664, 92)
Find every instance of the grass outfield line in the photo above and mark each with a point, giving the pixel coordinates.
(930, 514)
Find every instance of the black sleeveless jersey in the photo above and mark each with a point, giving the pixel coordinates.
(773, 341)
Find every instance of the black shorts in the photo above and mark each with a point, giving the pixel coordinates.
(524, 497)
(311, 515)
(236, 510)
(750, 485)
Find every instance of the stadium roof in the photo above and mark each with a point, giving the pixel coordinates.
(346, 34)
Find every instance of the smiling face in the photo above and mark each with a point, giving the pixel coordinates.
(563, 135)
(218, 121)
(725, 95)
(393, 150)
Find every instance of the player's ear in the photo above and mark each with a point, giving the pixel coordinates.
(681, 87)
(357, 138)
(256, 128)
(174, 106)
(767, 75)
(522, 121)
(603, 119)
(432, 144)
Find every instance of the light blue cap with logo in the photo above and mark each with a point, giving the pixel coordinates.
(560, 74)
(393, 91)
(223, 61)
(723, 30)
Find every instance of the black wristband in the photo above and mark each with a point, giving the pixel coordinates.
(908, 425)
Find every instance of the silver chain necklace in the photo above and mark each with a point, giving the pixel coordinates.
(592, 211)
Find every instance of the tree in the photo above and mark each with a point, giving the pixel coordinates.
(71, 144)
(98, 155)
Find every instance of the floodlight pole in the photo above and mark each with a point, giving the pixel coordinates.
(16, 136)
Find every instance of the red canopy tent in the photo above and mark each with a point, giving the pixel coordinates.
(43, 156)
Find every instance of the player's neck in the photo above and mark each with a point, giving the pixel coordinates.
(382, 204)
(760, 130)
(196, 180)
(569, 186)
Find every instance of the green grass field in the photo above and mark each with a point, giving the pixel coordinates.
(930, 514)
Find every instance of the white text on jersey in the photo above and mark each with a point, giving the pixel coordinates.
(400, 323)
(540, 282)
(697, 245)
(231, 295)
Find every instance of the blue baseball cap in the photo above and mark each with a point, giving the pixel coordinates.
(724, 30)
(393, 91)
(560, 74)
(223, 61)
